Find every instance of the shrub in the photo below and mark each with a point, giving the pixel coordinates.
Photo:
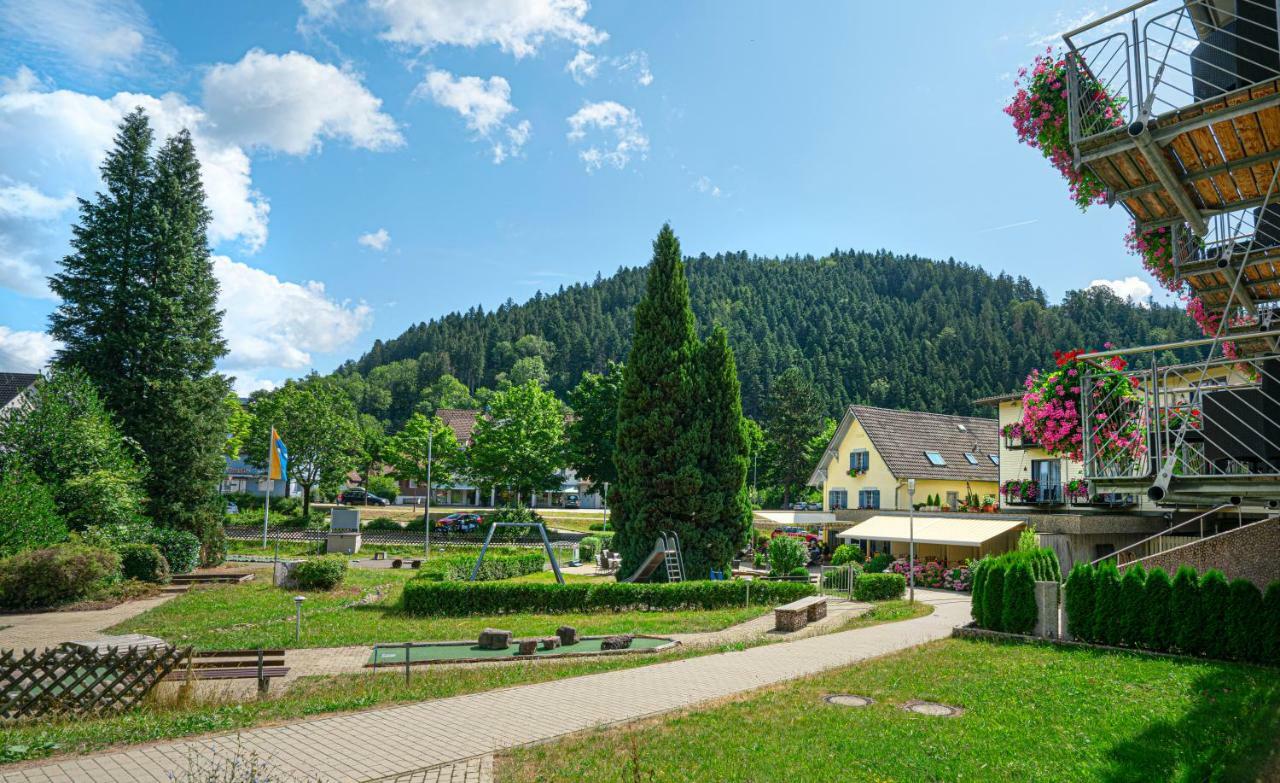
(588, 548)
(286, 506)
(28, 517)
(1157, 611)
(101, 497)
(993, 598)
(841, 577)
(846, 553)
(1133, 591)
(518, 514)
(799, 571)
(879, 563)
(596, 526)
(879, 587)
(1245, 626)
(786, 554)
(1215, 594)
(244, 501)
(1271, 624)
(181, 549)
(385, 523)
(1185, 608)
(56, 575)
(321, 573)
(1079, 601)
(976, 604)
(1108, 605)
(384, 487)
(1019, 615)
(213, 541)
(497, 565)
(456, 599)
(143, 562)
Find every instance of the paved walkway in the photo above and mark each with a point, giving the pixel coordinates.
(412, 739)
(49, 629)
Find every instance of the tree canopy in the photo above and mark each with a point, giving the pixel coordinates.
(520, 444)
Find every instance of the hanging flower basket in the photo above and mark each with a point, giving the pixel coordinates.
(1020, 490)
(1077, 491)
(1051, 408)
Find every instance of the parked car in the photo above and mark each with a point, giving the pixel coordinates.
(459, 522)
(813, 506)
(359, 496)
(571, 501)
(232, 508)
(810, 539)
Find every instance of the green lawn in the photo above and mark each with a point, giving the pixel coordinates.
(1032, 713)
(364, 611)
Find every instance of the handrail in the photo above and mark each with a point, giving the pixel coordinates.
(1116, 554)
(1067, 36)
(1178, 345)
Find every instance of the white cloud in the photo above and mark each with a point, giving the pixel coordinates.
(25, 351)
(638, 62)
(91, 35)
(273, 323)
(704, 184)
(25, 80)
(290, 102)
(21, 200)
(617, 123)
(245, 382)
(583, 67)
(517, 26)
(1132, 288)
(484, 104)
(376, 240)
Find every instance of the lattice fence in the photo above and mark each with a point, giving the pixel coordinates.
(73, 680)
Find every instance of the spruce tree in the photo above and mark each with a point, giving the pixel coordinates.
(1186, 611)
(660, 434)
(1157, 611)
(793, 415)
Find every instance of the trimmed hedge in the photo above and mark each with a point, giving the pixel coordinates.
(143, 562)
(458, 599)
(181, 549)
(1215, 594)
(1185, 607)
(1107, 607)
(56, 575)
(879, 587)
(993, 598)
(996, 603)
(1079, 601)
(1019, 612)
(321, 573)
(496, 566)
(1133, 621)
(1157, 611)
(1245, 627)
(976, 603)
(1270, 645)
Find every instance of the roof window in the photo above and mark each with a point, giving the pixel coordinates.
(935, 458)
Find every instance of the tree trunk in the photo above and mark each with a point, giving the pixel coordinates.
(306, 500)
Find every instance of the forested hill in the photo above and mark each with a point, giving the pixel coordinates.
(897, 331)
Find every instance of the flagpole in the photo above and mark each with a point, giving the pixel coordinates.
(266, 508)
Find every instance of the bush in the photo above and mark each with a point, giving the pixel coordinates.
(1215, 594)
(879, 587)
(993, 598)
(181, 549)
(799, 571)
(28, 516)
(588, 548)
(213, 541)
(56, 575)
(457, 599)
(596, 526)
(143, 562)
(1133, 618)
(1271, 624)
(841, 577)
(384, 487)
(321, 573)
(847, 553)
(1108, 606)
(385, 523)
(1245, 627)
(1020, 613)
(786, 554)
(1079, 601)
(1157, 611)
(976, 603)
(497, 565)
(879, 563)
(101, 497)
(244, 501)
(1185, 608)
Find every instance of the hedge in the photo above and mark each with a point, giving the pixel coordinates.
(1185, 607)
(1019, 613)
(457, 599)
(496, 566)
(1133, 621)
(1270, 645)
(1079, 601)
(1157, 611)
(1215, 594)
(1245, 626)
(879, 587)
(588, 548)
(993, 598)
(321, 573)
(879, 563)
(1107, 604)
(143, 562)
(56, 575)
(976, 603)
(28, 516)
(181, 549)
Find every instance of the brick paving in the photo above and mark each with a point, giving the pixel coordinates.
(413, 739)
(50, 629)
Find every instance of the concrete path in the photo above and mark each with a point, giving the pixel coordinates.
(49, 629)
(409, 740)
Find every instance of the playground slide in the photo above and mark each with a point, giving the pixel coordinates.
(650, 563)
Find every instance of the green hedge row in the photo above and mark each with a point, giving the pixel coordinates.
(1189, 614)
(1004, 588)
(496, 566)
(879, 587)
(457, 599)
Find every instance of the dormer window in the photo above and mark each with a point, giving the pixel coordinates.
(995, 459)
(972, 459)
(935, 459)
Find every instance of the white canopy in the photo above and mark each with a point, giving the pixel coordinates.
(955, 531)
(796, 517)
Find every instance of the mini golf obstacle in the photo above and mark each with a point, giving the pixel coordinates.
(665, 552)
(546, 544)
(491, 649)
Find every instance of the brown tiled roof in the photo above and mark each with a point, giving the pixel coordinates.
(14, 383)
(996, 399)
(462, 422)
(902, 437)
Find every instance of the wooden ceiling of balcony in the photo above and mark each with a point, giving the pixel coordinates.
(1223, 165)
(1213, 284)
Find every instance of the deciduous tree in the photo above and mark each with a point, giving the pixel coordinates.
(520, 444)
(593, 432)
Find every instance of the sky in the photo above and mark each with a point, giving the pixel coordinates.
(375, 163)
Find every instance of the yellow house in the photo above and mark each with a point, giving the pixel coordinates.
(875, 450)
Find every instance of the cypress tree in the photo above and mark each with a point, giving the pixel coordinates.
(1133, 622)
(1245, 621)
(660, 434)
(1108, 604)
(1019, 614)
(1186, 610)
(1079, 601)
(993, 597)
(1271, 624)
(976, 604)
(1157, 608)
(1215, 594)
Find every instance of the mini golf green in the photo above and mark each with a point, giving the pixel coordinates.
(458, 652)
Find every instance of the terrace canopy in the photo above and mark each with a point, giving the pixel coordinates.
(949, 539)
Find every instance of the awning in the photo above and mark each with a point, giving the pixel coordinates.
(798, 518)
(955, 531)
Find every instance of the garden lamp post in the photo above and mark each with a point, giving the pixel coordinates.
(297, 620)
(911, 551)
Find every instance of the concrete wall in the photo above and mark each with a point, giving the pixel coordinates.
(1251, 552)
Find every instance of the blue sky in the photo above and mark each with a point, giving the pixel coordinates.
(374, 164)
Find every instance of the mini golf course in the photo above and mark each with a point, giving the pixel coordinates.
(471, 652)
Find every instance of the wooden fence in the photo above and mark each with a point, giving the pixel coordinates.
(73, 680)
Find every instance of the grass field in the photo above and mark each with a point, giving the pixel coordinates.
(365, 611)
(1031, 713)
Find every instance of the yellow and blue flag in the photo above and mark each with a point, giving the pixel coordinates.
(278, 459)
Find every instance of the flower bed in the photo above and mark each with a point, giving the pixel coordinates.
(1052, 408)
(936, 575)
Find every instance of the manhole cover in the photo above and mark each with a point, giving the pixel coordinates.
(932, 708)
(848, 700)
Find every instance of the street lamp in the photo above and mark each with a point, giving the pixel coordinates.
(911, 551)
(426, 515)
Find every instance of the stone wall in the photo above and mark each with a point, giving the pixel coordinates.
(1251, 552)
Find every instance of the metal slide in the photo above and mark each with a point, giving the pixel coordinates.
(665, 550)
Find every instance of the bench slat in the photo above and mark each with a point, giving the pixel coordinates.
(268, 672)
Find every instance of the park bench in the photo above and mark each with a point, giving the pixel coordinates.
(799, 613)
(260, 665)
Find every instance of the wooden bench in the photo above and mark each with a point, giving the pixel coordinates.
(798, 614)
(260, 665)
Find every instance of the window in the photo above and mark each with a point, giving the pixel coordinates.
(995, 459)
(868, 498)
(935, 458)
(972, 459)
(859, 460)
(837, 499)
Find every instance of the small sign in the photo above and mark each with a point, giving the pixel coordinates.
(345, 519)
